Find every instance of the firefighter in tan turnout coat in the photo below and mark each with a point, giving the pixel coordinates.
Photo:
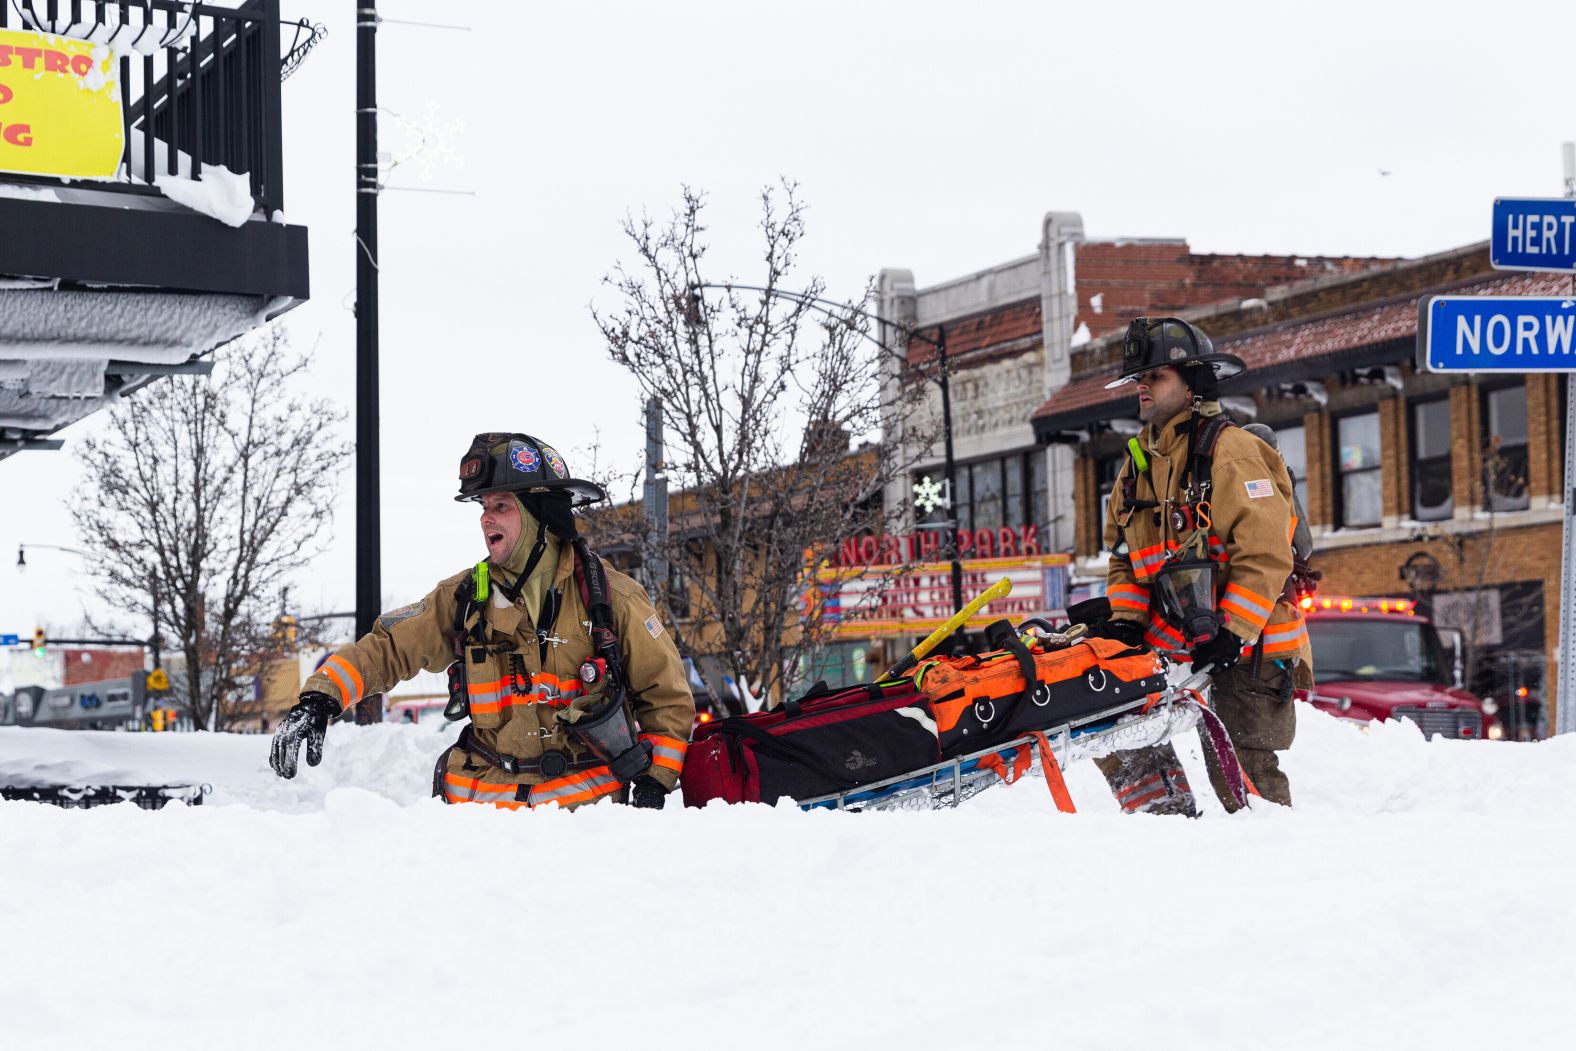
(573, 687)
(1200, 528)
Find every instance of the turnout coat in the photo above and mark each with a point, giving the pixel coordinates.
(1251, 536)
(518, 682)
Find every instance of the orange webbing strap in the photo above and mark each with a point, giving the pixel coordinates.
(1253, 789)
(1020, 764)
(1053, 776)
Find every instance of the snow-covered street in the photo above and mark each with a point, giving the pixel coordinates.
(1406, 902)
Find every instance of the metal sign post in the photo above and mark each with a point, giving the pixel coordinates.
(1565, 695)
(1524, 334)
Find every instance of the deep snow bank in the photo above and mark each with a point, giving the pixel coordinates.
(1417, 896)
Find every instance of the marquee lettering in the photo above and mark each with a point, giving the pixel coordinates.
(924, 545)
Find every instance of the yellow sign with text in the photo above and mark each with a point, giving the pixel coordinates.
(60, 107)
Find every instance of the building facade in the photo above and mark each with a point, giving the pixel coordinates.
(1444, 488)
(1014, 336)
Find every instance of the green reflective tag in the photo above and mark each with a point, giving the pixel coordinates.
(480, 576)
(1140, 461)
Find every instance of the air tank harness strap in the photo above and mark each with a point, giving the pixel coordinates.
(470, 598)
(550, 763)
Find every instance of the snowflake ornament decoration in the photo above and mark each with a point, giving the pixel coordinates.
(928, 495)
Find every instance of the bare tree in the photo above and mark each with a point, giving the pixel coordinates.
(762, 393)
(203, 499)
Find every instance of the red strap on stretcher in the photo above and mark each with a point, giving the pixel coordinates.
(1053, 776)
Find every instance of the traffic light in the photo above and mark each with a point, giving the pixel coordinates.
(285, 631)
(38, 642)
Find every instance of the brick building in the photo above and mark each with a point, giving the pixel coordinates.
(1015, 335)
(1436, 485)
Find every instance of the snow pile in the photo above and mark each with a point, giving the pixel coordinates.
(1416, 897)
(220, 194)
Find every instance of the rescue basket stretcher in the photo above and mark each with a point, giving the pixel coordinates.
(1134, 724)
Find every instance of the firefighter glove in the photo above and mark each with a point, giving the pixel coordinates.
(1221, 651)
(647, 793)
(1127, 632)
(307, 721)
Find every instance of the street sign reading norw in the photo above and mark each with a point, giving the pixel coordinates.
(1496, 334)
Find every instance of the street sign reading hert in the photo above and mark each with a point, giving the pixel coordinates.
(1496, 334)
(1534, 233)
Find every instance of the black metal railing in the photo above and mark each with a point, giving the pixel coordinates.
(200, 83)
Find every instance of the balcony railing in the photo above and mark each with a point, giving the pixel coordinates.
(201, 84)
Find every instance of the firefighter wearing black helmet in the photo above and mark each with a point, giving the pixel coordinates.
(1200, 528)
(573, 687)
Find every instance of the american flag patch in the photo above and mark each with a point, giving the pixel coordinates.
(653, 626)
(1259, 489)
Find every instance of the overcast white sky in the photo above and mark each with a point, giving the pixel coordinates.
(925, 135)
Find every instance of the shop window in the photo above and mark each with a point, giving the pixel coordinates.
(1039, 510)
(1360, 492)
(1294, 450)
(1014, 512)
(1504, 416)
(1431, 489)
(986, 491)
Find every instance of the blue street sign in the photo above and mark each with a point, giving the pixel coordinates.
(1534, 233)
(10, 640)
(1496, 334)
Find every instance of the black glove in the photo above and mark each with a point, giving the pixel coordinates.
(647, 793)
(307, 721)
(1127, 632)
(1222, 651)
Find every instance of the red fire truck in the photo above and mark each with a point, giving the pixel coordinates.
(1379, 658)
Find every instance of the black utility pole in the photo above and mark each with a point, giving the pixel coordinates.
(952, 469)
(369, 525)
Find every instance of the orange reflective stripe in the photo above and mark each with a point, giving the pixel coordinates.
(1285, 638)
(345, 699)
(1291, 529)
(1128, 596)
(1252, 607)
(350, 670)
(1163, 636)
(575, 788)
(666, 752)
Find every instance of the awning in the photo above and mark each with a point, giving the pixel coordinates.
(1292, 351)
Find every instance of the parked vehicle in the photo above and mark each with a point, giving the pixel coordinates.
(115, 704)
(1379, 658)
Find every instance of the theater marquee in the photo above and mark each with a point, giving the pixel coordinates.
(888, 599)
